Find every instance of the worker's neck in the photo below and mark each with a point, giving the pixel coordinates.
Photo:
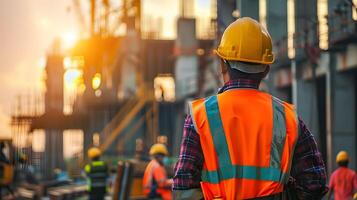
(160, 161)
(243, 82)
(227, 79)
(95, 159)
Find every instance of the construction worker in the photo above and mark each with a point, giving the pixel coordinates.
(343, 182)
(3, 157)
(243, 143)
(4, 162)
(25, 172)
(155, 181)
(97, 173)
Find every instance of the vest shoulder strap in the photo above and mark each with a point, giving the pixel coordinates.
(195, 107)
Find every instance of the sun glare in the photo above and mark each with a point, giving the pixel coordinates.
(67, 62)
(96, 81)
(42, 63)
(69, 39)
(72, 78)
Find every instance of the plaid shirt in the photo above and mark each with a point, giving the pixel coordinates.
(308, 175)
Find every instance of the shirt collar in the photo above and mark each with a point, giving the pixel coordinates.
(239, 83)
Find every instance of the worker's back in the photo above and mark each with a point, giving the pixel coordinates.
(97, 173)
(154, 181)
(247, 139)
(343, 182)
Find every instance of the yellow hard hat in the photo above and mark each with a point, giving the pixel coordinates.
(23, 157)
(158, 148)
(246, 40)
(94, 152)
(342, 156)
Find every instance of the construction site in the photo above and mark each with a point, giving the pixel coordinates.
(123, 87)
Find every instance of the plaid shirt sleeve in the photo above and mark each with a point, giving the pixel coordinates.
(308, 175)
(190, 162)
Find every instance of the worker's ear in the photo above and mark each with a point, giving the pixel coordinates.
(266, 71)
(224, 68)
(224, 71)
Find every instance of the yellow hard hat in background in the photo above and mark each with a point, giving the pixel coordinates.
(23, 158)
(246, 40)
(342, 156)
(94, 152)
(158, 149)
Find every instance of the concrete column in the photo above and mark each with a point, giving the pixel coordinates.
(225, 9)
(53, 154)
(248, 8)
(344, 116)
(87, 141)
(276, 19)
(307, 105)
(305, 24)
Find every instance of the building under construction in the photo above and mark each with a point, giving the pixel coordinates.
(131, 85)
(315, 68)
(135, 86)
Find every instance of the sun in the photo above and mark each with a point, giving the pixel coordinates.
(69, 39)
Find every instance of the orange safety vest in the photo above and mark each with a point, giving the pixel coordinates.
(156, 172)
(248, 138)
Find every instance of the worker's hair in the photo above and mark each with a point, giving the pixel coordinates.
(159, 155)
(343, 163)
(235, 74)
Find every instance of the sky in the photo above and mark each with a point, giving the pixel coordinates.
(27, 30)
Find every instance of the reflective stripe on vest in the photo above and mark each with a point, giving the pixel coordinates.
(97, 174)
(253, 171)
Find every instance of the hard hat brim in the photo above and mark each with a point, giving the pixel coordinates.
(243, 59)
(249, 68)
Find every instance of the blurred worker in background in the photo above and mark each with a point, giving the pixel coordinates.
(3, 160)
(97, 174)
(243, 143)
(155, 181)
(343, 182)
(3, 157)
(25, 172)
(60, 175)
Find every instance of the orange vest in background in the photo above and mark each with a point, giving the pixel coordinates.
(248, 138)
(155, 181)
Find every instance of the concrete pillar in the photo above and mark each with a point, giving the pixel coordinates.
(276, 19)
(344, 116)
(186, 64)
(53, 154)
(305, 25)
(248, 8)
(87, 141)
(307, 105)
(225, 9)
(341, 109)
(54, 84)
(338, 22)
